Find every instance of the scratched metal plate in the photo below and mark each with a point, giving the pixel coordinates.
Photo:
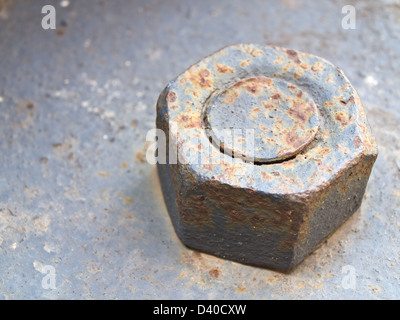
(76, 193)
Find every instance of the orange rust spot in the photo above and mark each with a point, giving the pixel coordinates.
(214, 273)
(293, 56)
(174, 107)
(245, 63)
(329, 104)
(288, 66)
(230, 96)
(292, 139)
(357, 142)
(171, 97)
(279, 60)
(276, 96)
(124, 165)
(221, 68)
(189, 122)
(265, 176)
(326, 133)
(317, 67)
(301, 113)
(255, 52)
(208, 167)
(252, 88)
(342, 118)
(241, 289)
(297, 74)
(324, 152)
(128, 200)
(140, 156)
(103, 174)
(183, 80)
(200, 78)
(268, 106)
(304, 66)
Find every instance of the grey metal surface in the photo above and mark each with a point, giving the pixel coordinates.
(76, 192)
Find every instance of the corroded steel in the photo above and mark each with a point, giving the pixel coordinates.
(283, 117)
(312, 157)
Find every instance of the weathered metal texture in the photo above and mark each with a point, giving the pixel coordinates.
(283, 117)
(313, 154)
(77, 194)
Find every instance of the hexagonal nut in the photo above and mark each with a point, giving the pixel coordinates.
(305, 169)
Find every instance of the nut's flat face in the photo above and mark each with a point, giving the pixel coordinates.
(283, 118)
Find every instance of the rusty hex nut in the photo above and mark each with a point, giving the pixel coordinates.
(310, 156)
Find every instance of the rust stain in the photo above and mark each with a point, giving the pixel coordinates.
(103, 174)
(241, 289)
(187, 121)
(222, 68)
(245, 63)
(343, 118)
(200, 78)
(171, 97)
(357, 142)
(214, 273)
(292, 54)
(140, 156)
(128, 200)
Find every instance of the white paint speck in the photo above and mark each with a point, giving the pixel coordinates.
(371, 81)
(14, 245)
(85, 104)
(66, 81)
(1, 99)
(49, 248)
(127, 63)
(105, 137)
(86, 44)
(154, 55)
(38, 266)
(141, 106)
(64, 3)
(109, 114)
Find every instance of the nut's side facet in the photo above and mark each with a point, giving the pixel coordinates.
(313, 154)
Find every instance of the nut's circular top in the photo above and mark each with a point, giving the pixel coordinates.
(261, 119)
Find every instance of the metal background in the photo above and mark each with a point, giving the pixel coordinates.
(76, 103)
